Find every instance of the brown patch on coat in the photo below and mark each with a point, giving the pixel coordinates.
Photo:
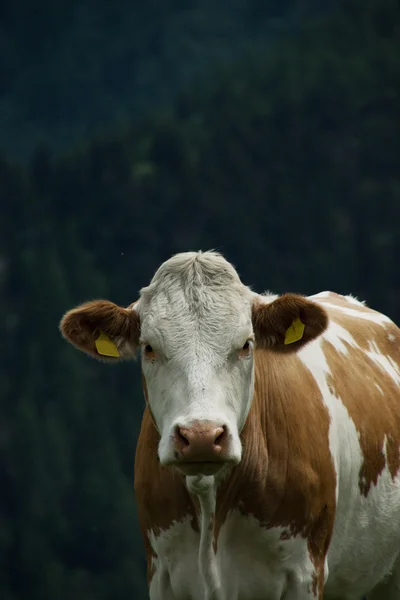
(271, 321)
(146, 397)
(318, 545)
(374, 411)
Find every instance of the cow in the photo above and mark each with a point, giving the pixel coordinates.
(268, 461)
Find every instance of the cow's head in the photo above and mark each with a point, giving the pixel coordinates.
(197, 327)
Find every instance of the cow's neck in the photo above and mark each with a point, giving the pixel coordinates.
(286, 476)
(203, 488)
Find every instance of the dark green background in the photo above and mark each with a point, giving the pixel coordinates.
(266, 130)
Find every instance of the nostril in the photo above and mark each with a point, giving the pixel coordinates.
(181, 437)
(221, 436)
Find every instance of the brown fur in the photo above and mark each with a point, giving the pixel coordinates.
(81, 326)
(271, 321)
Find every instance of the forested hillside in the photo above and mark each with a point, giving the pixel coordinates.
(287, 162)
(72, 69)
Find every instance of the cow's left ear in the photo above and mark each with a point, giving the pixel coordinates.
(287, 323)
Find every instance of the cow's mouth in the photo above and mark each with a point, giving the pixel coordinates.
(201, 468)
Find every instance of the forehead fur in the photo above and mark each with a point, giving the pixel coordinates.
(195, 282)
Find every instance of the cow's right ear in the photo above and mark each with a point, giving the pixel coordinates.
(102, 330)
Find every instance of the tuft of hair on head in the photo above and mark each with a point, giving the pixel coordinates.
(207, 269)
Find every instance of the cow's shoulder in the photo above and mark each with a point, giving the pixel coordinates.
(357, 310)
(358, 362)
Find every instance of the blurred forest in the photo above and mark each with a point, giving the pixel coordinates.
(267, 130)
(71, 68)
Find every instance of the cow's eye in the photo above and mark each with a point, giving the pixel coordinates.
(148, 352)
(246, 349)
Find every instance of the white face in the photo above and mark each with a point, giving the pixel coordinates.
(197, 360)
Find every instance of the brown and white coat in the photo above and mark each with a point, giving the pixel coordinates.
(267, 466)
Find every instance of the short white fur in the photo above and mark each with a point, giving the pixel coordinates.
(196, 315)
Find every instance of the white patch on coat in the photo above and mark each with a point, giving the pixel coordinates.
(325, 294)
(252, 562)
(337, 335)
(176, 572)
(365, 543)
(375, 317)
(204, 487)
(386, 363)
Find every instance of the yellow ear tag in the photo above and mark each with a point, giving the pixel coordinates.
(295, 332)
(105, 346)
